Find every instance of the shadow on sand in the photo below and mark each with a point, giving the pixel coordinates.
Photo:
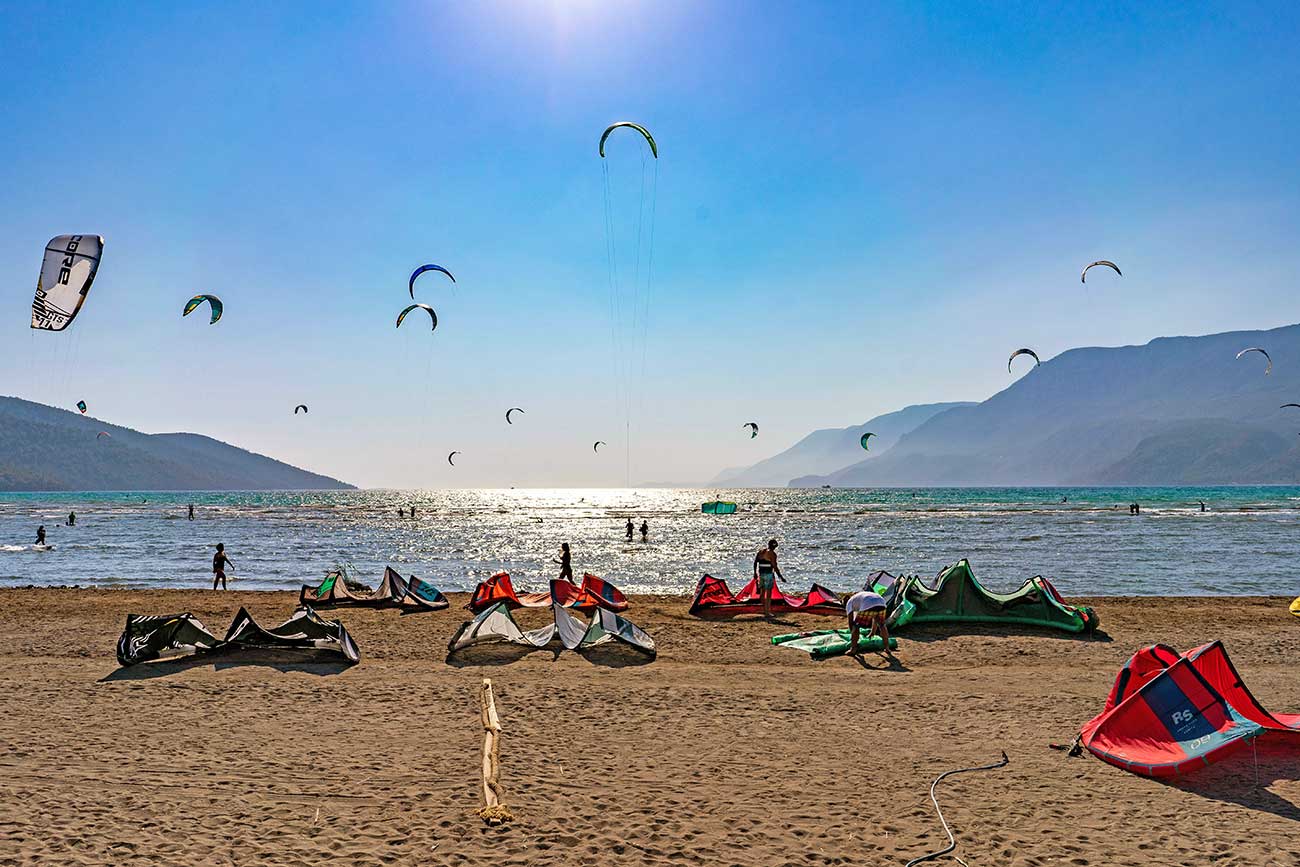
(928, 632)
(306, 661)
(1244, 777)
(608, 656)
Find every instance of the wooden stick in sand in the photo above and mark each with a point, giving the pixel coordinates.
(494, 812)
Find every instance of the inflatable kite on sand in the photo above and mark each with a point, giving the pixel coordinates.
(594, 593)
(394, 591)
(714, 599)
(1168, 715)
(497, 625)
(304, 636)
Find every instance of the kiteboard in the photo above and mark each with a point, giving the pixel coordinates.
(1295, 606)
(42, 547)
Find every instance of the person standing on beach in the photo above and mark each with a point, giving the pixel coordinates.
(219, 563)
(766, 571)
(645, 531)
(630, 529)
(191, 511)
(866, 608)
(566, 567)
(40, 535)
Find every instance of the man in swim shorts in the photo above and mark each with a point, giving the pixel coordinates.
(219, 563)
(866, 608)
(766, 571)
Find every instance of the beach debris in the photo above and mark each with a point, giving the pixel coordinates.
(1023, 351)
(214, 305)
(301, 406)
(753, 428)
(67, 270)
(418, 271)
(450, 456)
(1269, 368)
(1083, 277)
(650, 140)
(426, 308)
(952, 841)
(512, 409)
(866, 436)
(493, 811)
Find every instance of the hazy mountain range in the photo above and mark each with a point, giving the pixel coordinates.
(1175, 411)
(47, 449)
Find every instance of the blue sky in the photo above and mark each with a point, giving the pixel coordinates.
(859, 206)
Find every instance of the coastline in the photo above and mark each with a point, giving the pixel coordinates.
(724, 750)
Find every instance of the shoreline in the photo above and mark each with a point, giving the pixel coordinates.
(723, 750)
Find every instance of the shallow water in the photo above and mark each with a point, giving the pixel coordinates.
(1244, 544)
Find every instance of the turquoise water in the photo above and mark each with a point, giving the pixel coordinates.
(1245, 543)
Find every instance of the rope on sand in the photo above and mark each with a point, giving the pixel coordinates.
(952, 841)
(493, 812)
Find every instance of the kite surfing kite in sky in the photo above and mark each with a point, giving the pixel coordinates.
(418, 271)
(68, 269)
(597, 444)
(103, 433)
(1029, 352)
(650, 140)
(753, 428)
(81, 405)
(450, 456)
(301, 406)
(1083, 278)
(213, 302)
(512, 409)
(1269, 368)
(425, 307)
(866, 436)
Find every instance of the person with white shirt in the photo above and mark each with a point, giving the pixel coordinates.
(866, 608)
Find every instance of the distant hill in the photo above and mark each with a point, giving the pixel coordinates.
(1176, 411)
(824, 451)
(48, 449)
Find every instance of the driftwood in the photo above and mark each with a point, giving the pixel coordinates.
(493, 812)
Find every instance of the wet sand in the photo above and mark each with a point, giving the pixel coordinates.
(725, 750)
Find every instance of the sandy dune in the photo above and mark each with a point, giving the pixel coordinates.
(723, 751)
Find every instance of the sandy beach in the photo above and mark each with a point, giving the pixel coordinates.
(724, 750)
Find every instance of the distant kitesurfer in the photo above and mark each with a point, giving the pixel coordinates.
(630, 529)
(766, 571)
(401, 513)
(40, 535)
(566, 568)
(219, 563)
(1202, 505)
(412, 512)
(645, 531)
(866, 608)
(72, 519)
(191, 511)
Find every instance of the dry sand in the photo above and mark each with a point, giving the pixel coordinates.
(723, 751)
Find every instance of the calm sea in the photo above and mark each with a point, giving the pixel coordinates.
(1083, 538)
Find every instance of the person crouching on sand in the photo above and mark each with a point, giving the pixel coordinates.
(766, 571)
(866, 608)
(219, 563)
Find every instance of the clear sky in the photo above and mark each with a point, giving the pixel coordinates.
(859, 206)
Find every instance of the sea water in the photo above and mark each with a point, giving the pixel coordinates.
(1084, 539)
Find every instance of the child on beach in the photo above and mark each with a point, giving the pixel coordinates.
(219, 563)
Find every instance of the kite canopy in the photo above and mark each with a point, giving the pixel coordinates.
(103, 433)
(718, 507)
(714, 599)
(418, 271)
(595, 447)
(67, 271)
(81, 405)
(425, 307)
(594, 593)
(1269, 368)
(654, 148)
(824, 643)
(394, 591)
(1029, 352)
(1168, 715)
(213, 302)
(497, 625)
(753, 428)
(301, 406)
(512, 409)
(151, 636)
(866, 436)
(450, 456)
(957, 597)
(1083, 277)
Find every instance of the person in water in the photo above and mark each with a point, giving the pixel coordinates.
(412, 512)
(645, 531)
(866, 608)
(401, 513)
(566, 567)
(219, 563)
(40, 535)
(630, 529)
(72, 519)
(766, 571)
(191, 511)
